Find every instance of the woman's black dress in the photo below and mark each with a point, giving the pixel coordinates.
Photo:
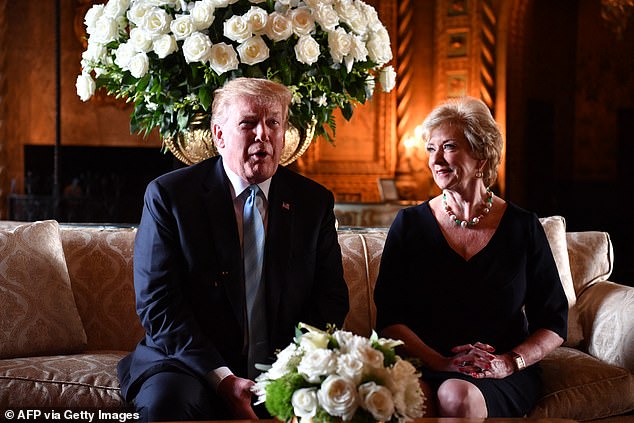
(499, 296)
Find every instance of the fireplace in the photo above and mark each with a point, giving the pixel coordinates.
(96, 184)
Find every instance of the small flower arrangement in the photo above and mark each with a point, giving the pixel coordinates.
(334, 375)
(168, 56)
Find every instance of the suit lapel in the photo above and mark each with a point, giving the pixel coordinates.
(278, 244)
(224, 235)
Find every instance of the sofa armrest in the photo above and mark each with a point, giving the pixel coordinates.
(606, 313)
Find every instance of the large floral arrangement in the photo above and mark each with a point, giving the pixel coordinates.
(329, 376)
(168, 56)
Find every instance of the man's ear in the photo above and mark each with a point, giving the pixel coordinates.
(217, 131)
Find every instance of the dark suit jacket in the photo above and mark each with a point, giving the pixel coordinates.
(188, 271)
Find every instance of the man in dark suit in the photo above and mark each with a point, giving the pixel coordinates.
(197, 358)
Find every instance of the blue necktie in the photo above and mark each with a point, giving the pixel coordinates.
(253, 255)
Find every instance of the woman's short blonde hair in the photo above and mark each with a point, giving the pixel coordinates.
(474, 118)
(264, 91)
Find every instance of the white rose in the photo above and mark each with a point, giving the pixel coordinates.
(94, 53)
(358, 50)
(339, 44)
(182, 27)
(338, 396)
(379, 47)
(221, 3)
(351, 15)
(116, 8)
(254, 50)
(164, 45)
(371, 17)
(279, 27)
(156, 21)
(350, 366)
(326, 17)
(258, 19)
(344, 340)
(387, 78)
(317, 363)
(305, 402)
(123, 55)
(313, 340)
(377, 400)
(105, 30)
(223, 58)
(237, 28)
(85, 86)
(314, 4)
(140, 40)
(197, 48)
(92, 15)
(203, 15)
(303, 21)
(371, 357)
(139, 65)
(137, 12)
(307, 50)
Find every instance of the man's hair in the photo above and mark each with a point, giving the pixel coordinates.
(264, 91)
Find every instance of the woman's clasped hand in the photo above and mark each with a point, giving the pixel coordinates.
(477, 360)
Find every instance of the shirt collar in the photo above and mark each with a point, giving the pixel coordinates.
(238, 185)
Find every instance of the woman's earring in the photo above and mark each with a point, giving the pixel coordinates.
(478, 174)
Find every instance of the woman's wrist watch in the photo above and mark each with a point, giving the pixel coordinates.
(518, 361)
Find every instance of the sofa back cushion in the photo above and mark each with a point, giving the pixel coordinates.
(100, 266)
(591, 258)
(38, 313)
(361, 255)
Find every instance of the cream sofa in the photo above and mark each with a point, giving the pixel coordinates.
(67, 316)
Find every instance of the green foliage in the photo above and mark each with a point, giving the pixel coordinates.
(279, 393)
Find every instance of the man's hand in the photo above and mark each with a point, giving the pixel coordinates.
(236, 393)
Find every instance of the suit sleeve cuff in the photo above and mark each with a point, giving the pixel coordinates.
(217, 375)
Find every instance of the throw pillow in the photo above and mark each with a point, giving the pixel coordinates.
(38, 314)
(555, 228)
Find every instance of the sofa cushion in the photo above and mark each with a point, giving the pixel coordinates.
(38, 315)
(99, 261)
(580, 387)
(555, 228)
(361, 254)
(591, 258)
(63, 381)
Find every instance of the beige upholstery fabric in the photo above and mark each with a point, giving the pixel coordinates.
(361, 252)
(575, 387)
(591, 258)
(63, 381)
(100, 266)
(38, 314)
(555, 228)
(607, 311)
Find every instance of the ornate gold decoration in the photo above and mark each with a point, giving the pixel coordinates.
(197, 144)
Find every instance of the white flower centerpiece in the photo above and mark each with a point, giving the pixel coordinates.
(168, 56)
(335, 375)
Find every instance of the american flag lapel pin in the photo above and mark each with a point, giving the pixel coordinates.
(285, 205)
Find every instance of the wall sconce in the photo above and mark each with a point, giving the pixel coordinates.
(617, 14)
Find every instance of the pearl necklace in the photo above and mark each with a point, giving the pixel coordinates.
(488, 203)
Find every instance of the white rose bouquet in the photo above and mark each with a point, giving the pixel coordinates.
(168, 56)
(334, 375)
